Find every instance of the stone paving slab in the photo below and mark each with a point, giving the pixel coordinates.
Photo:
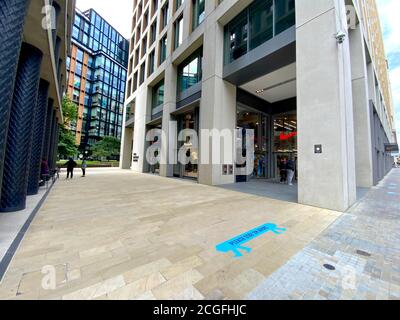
(120, 235)
(364, 247)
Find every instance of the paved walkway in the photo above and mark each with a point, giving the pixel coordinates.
(363, 246)
(120, 235)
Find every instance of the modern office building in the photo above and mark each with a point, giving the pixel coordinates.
(97, 70)
(309, 77)
(34, 44)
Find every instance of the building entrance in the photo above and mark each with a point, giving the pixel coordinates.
(275, 141)
(284, 141)
(154, 167)
(188, 121)
(248, 118)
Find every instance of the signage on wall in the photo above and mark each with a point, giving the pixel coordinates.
(284, 137)
(135, 158)
(236, 244)
(392, 147)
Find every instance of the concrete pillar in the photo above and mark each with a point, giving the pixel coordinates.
(19, 138)
(324, 106)
(142, 116)
(126, 148)
(38, 138)
(171, 78)
(12, 17)
(361, 105)
(218, 104)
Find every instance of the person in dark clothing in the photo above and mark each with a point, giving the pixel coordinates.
(71, 164)
(282, 170)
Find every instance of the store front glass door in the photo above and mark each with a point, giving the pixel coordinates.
(247, 119)
(189, 120)
(285, 140)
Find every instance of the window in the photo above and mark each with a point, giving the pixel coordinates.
(284, 15)
(261, 23)
(158, 94)
(153, 32)
(79, 55)
(142, 73)
(190, 71)
(258, 23)
(164, 16)
(163, 49)
(199, 12)
(78, 69)
(178, 4)
(151, 62)
(178, 32)
(77, 82)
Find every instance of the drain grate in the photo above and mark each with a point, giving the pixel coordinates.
(329, 267)
(363, 253)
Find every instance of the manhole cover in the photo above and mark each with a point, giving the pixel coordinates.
(329, 267)
(363, 253)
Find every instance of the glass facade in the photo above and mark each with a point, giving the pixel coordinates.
(257, 24)
(103, 73)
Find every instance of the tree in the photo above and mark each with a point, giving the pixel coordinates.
(106, 148)
(67, 143)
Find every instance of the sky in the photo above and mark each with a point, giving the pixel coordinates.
(389, 13)
(118, 14)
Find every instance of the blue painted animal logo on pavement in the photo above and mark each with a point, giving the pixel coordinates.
(236, 244)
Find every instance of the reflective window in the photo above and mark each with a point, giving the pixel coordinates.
(190, 71)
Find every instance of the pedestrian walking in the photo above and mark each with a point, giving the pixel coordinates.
(83, 167)
(290, 169)
(71, 165)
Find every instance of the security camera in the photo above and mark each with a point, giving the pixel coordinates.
(340, 36)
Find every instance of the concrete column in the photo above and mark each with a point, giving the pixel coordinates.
(38, 138)
(324, 106)
(126, 151)
(142, 116)
(171, 78)
(362, 115)
(218, 104)
(12, 17)
(19, 139)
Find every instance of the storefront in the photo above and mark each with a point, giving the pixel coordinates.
(275, 140)
(187, 121)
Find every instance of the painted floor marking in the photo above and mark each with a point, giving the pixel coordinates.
(236, 244)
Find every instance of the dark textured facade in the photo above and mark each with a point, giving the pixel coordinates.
(32, 81)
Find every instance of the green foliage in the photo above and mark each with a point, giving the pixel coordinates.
(107, 147)
(70, 110)
(67, 142)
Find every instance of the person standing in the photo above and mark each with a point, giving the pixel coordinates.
(282, 170)
(83, 167)
(290, 169)
(71, 165)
